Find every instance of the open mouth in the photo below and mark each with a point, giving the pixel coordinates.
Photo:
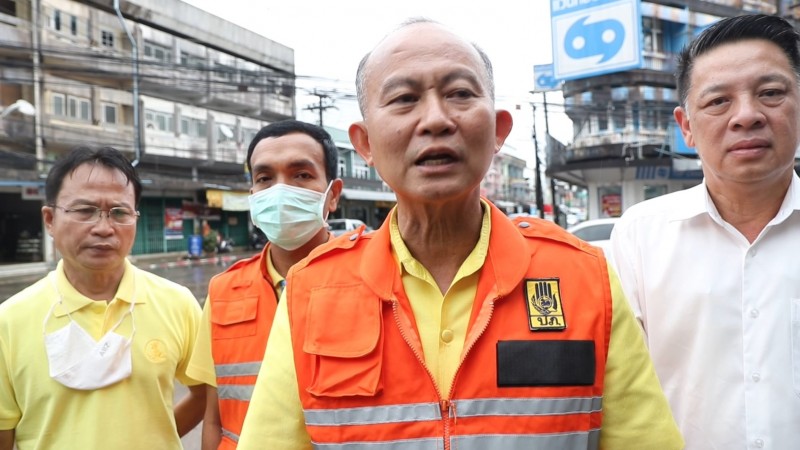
(436, 159)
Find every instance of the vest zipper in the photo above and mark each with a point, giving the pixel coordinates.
(444, 404)
(448, 403)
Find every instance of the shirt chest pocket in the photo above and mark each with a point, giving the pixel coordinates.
(344, 337)
(234, 318)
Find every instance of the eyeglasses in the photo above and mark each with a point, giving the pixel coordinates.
(92, 214)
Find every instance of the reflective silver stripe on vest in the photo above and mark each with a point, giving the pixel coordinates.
(414, 412)
(234, 392)
(463, 408)
(406, 444)
(230, 435)
(237, 370)
(563, 441)
(588, 440)
(527, 406)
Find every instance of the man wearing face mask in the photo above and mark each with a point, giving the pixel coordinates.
(293, 166)
(89, 354)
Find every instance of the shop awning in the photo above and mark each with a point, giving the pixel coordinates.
(379, 196)
(227, 200)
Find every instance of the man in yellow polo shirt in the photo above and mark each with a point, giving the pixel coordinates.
(451, 326)
(89, 354)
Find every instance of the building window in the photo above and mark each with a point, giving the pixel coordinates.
(649, 120)
(78, 108)
(157, 120)
(109, 113)
(602, 121)
(193, 127)
(157, 52)
(55, 20)
(666, 119)
(187, 59)
(618, 115)
(107, 38)
(652, 38)
(653, 191)
(342, 167)
(224, 72)
(248, 134)
(72, 107)
(360, 169)
(57, 101)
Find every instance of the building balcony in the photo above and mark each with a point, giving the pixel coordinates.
(15, 37)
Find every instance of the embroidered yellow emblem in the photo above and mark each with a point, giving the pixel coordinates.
(155, 351)
(545, 312)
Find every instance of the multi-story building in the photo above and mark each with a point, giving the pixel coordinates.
(626, 147)
(178, 89)
(365, 196)
(506, 185)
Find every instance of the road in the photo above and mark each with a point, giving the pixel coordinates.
(195, 278)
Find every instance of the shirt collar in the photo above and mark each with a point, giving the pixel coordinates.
(791, 202)
(695, 202)
(698, 201)
(275, 278)
(72, 300)
(413, 267)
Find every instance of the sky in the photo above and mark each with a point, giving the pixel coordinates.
(330, 37)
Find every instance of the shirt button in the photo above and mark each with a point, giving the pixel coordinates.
(759, 443)
(447, 336)
(756, 377)
(754, 313)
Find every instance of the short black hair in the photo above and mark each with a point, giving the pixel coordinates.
(732, 29)
(284, 127)
(80, 155)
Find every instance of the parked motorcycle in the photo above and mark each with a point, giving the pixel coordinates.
(225, 245)
(257, 239)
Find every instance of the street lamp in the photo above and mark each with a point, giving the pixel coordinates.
(22, 106)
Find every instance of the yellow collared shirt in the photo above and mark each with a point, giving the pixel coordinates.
(275, 418)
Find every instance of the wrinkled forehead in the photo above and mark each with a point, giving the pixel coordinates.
(423, 42)
(94, 180)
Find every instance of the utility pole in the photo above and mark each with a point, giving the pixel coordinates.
(552, 179)
(539, 193)
(321, 106)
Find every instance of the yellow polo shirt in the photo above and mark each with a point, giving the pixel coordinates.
(275, 418)
(133, 414)
(201, 364)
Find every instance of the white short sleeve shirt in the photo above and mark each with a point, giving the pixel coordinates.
(721, 316)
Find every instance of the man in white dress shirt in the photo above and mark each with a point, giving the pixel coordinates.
(713, 272)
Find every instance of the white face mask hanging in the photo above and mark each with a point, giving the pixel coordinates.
(79, 362)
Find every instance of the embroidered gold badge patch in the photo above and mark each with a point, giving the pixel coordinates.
(545, 312)
(155, 351)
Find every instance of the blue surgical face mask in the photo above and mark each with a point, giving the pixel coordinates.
(288, 215)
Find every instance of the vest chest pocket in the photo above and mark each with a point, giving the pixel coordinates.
(233, 318)
(344, 337)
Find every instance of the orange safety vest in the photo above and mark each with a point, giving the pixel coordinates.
(532, 368)
(243, 303)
